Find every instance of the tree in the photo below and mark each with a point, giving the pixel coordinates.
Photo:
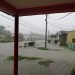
(5, 34)
(2, 30)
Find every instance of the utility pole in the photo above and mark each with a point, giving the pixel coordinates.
(46, 33)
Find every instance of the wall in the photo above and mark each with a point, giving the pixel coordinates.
(70, 36)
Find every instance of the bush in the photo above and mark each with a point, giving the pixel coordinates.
(46, 62)
(56, 41)
(49, 41)
(19, 57)
(73, 71)
(5, 41)
(31, 43)
(42, 48)
(22, 58)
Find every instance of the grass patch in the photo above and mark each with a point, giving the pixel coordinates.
(46, 62)
(55, 49)
(32, 58)
(22, 58)
(73, 71)
(19, 57)
(65, 46)
(42, 48)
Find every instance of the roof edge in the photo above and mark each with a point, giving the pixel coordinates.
(68, 7)
(7, 8)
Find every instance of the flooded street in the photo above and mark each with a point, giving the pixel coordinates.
(63, 61)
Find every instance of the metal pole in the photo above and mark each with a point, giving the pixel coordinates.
(46, 33)
(16, 45)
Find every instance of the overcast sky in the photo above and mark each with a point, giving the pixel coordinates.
(36, 24)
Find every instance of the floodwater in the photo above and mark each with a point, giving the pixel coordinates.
(63, 61)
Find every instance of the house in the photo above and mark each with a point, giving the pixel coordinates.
(67, 38)
(71, 39)
(62, 37)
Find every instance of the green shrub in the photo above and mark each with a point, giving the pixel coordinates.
(19, 57)
(32, 58)
(73, 71)
(45, 62)
(55, 41)
(42, 48)
(49, 41)
(24, 57)
(31, 43)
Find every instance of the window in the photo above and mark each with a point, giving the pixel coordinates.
(73, 40)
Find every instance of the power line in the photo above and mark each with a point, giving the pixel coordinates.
(54, 25)
(31, 24)
(32, 27)
(61, 17)
(29, 27)
(6, 17)
(20, 23)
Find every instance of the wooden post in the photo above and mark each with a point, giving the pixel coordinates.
(16, 45)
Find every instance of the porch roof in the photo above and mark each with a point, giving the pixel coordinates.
(34, 7)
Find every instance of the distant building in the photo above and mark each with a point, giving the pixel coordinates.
(63, 38)
(34, 36)
(71, 37)
(2, 37)
(68, 38)
(53, 37)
